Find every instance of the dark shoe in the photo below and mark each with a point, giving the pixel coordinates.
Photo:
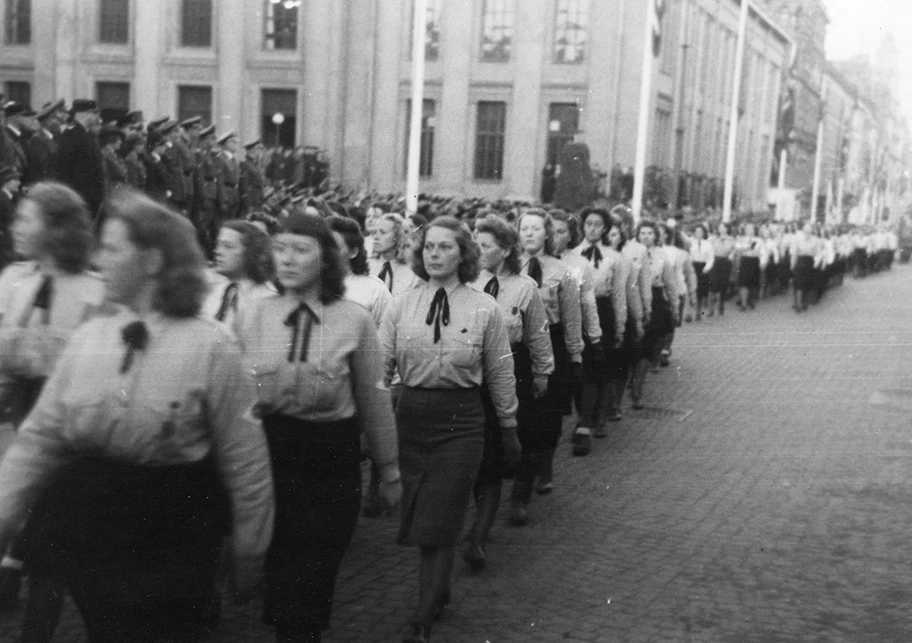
(475, 555)
(600, 432)
(664, 358)
(519, 515)
(613, 416)
(582, 444)
(637, 403)
(373, 506)
(416, 633)
(10, 586)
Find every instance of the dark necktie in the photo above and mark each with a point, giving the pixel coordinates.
(593, 254)
(492, 287)
(229, 301)
(439, 312)
(43, 298)
(535, 270)
(386, 275)
(136, 336)
(300, 330)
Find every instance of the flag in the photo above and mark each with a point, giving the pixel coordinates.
(658, 12)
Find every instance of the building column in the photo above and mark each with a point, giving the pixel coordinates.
(44, 85)
(148, 31)
(231, 73)
(453, 126)
(385, 170)
(66, 29)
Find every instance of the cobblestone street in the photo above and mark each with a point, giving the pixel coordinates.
(763, 495)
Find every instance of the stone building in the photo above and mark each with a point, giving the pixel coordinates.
(507, 83)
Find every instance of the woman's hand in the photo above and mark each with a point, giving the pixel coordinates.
(391, 488)
(511, 445)
(540, 384)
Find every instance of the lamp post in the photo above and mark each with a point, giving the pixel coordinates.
(277, 119)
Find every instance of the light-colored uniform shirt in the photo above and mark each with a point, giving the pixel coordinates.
(185, 396)
(610, 280)
(241, 307)
(473, 348)
(723, 247)
(662, 275)
(31, 338)
(341, 376)
(525, 317)
(369, 292)
(702, 252)
(583, 274)
(560, 294)
(403, 277)
(635, 252)
(685, 277)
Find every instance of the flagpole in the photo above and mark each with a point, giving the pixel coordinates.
(639, 169)
(733, 115)
(414, 150)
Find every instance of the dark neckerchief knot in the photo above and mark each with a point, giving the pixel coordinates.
(535, 270)
(492, 287)
(439, 312)
(386, 275)
(300, 331)
(229, 301)
(593, 254)
(136, 336)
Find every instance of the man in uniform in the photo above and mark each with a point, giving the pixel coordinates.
(15, 133)
(206, 180)
(229, 177)
(42, 147)
(252, 179)
(79, 157)
(9, 195)
(174, 167)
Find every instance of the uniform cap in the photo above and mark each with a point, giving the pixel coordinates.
(253, 144)
(224, 139)
(8, 173)
(190, 122)
(158, 122)
(50, 108)
(167, 128)
(207, 131)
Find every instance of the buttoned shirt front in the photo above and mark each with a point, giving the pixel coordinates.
(637, 255)
(584, 276)
(610, 280)
(184, 396)
(369, 292)
(238, 312)
(473, 347)
(560, 293)
(403, 277)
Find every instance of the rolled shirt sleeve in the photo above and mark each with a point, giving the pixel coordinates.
(498, 368)
(571, 316)
(536, 335)
(620, 275)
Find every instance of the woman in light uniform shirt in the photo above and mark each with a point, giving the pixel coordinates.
(244, 265)
(445, 340)
(702, 257)
(560, 294)
(42, 301)
(724, 251)
(146, 435)
(530, 343)
(389, 241)
(318, 370)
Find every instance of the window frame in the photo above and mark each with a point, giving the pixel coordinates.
(204, 33)
(184, 114)
(269, 5)
(490, 144)
(491, 10)
(580, 9)
(17, 29)
(124, 23)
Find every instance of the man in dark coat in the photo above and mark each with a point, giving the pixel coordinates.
(252, 179)
(79, 162)
(229, 177)
(42, 148)
(574, 186)
(9, 194)
(205, 202)
(13, 133)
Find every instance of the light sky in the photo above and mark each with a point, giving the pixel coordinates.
(860, 26)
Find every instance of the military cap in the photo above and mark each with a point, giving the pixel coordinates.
(224, 139)
(207, 131)
(190, 122)
(49, 109)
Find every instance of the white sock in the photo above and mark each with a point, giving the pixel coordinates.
(582, 430)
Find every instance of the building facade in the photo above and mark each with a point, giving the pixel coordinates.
(507, 83)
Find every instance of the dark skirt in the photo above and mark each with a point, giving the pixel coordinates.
(560, 392)
(608, 321)
(317, 476)
(804, 273)
(721, 274)
(661, 322)
(441, 440)
(749, 273)
(785, 270)
(493, 468)
(137, 545)
(703, 280)
(631, 350)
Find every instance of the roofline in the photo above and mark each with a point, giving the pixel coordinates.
(768, 22)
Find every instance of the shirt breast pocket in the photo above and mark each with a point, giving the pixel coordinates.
(466, 348)
(266, 377)
(514, 323)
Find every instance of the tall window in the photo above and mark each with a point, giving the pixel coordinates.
(428, 122)
(490, 129)
(570, 31)
(194, 100)
(282, 24)
(18, 91)
(563, 123)
(278, 110)
(431, 31)
(114, 25)
(113, 100)
(662, 136)
(18, 22)
(497, 31)
(196, 23)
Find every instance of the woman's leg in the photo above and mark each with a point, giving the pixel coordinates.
(434, 583)
(487, 502)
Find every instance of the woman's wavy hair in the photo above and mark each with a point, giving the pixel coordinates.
(67, 238)
(259, 264)
(351, 232)
(607, 220)
(401, 232)
(573, 225)
(151, 226)
(652, 225)
(505, 236)
(468, 249)
(701, 226)
(332, 275)
(549, 225)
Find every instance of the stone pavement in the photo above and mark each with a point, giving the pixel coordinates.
(763, 495)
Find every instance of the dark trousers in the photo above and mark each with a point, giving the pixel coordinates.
(317, 479)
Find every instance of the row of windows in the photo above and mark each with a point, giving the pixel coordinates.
(280, 22)
(281, 17)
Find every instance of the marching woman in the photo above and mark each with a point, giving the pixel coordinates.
(389, 263)
(42, 301)
(317, 365)
(560, 294)
(245, 267)
(685, 278)
(749, 247)
(664, 314)
(610, 283)
(360, 286)
(702, 256)
(533, 362)
(145, 435)
(805, 252)
(445, 340)
(724, 252)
